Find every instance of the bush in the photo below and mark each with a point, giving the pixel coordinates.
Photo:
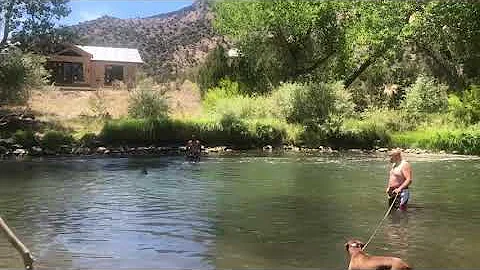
(12, 79)
(53, 140)
(283, 99)
(226, 90)
(391, 120)
(368, 138)
(426, 96)
(312, 104)
(19, 74)
(316, 104)
(25, 138)
(466, 107)
(98, 103)
(471, 98)
(229, 131)
(214, 69)
(343, 105)
(89, 140)
(147, 102)
(463, 141)
(227, 100)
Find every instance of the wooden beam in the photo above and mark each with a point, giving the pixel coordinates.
(18, 245)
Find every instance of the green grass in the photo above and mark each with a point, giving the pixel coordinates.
(465, 141)
(228, 131)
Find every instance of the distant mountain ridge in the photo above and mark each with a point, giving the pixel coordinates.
(170, 44)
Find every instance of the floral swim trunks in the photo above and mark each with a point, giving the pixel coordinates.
(401, 201)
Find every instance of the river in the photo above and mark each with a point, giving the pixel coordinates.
(235, 212)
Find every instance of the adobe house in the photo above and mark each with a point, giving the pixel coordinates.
(92, 66)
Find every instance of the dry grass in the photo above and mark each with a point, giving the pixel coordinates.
(78, 110)
(185, 101)
(65, 105)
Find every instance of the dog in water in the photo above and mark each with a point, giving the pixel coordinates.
(361, 260)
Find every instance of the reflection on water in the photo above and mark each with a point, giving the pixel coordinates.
(234, 212)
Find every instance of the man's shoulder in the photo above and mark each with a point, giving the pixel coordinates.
(406, 164)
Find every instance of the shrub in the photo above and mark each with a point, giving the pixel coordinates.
(229, 131)
(466, 107)
(12, 78)
(214, 69)
(283, 98)
(458, 109)
(344, 139)
(391, 120)
(146, 102)
(471, 98)
(426, 96)
(343, 103)
(25, 138)
(463, 141)
(226, 89)
(89, 140)
(19, 73)
(98, 103)
(312, 104)
(53, 140)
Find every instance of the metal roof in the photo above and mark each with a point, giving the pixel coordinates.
(112, 54)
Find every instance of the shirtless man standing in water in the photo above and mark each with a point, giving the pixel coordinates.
(399, 180)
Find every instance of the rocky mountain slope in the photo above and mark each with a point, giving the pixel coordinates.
(170, 44)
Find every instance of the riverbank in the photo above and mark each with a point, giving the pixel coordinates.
(134, 137)
(65, 151)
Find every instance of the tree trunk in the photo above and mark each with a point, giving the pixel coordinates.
(456, 80)
(360, 70)
(6, 25)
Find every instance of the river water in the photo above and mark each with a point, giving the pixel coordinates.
(235, 212)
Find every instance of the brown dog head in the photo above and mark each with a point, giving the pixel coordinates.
(354, 245)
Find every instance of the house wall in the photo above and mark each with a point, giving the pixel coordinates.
(97, 77)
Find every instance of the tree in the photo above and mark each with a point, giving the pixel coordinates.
(280, 40)
(50, 41)
(374, 29)
(448, 34)
(29, 17)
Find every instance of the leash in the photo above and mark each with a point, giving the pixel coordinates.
(381, 221)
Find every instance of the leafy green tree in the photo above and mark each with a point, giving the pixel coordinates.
(448, 34)
(19, 74)
(214, 69)
(426, 96)
(374, 30)
(280, 40)
(48, 42)
(32, 17)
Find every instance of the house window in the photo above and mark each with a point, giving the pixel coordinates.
(68, 72)
(112, 73)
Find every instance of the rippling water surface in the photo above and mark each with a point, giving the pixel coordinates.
(235, 212)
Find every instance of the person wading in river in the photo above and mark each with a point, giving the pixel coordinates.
(194, 149)
(399, 180)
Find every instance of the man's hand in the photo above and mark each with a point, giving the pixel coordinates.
(397, 190)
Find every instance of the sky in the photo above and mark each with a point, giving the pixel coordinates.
(85, 10)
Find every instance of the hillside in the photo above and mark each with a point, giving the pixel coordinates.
(170, 44)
